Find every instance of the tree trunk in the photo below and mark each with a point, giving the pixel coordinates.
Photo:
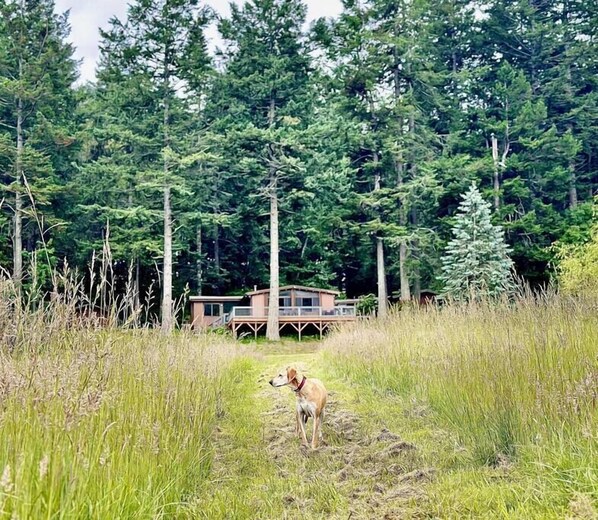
(380, 263)
(496, 173)
(198, 260)
(570, 96)
(167, 274)
(416, 293)
(18, 217)
(381, 271)
(572, 185)
(272, 328)
(137, 284)
(403, 275)
(167, 322)
(217, 250)
(404, 278)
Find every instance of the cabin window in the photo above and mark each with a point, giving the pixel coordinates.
(308, 302)
(285, 301)
(212, 309)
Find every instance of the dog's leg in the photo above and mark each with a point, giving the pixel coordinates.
(314, 437)
(301, 421)
(320, 425)
(298, 417)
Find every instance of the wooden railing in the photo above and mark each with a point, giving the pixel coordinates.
(250, 312)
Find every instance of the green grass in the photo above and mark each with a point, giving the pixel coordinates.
(108, 424)
(517, 385)
(493, 410)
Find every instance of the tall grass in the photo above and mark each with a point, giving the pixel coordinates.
(511, 379)
(97, 421)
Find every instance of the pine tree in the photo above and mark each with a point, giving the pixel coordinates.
(477, 263)
(36, 73)
(152, 71)
(265, 86)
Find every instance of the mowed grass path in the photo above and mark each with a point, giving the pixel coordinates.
(380, 459)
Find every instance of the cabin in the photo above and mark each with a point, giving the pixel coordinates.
(304, 310)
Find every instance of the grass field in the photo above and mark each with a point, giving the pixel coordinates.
(517, 387)
(470, 412)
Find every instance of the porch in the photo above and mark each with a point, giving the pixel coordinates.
(303, 310)
(301, 320)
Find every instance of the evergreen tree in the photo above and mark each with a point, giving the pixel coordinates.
(265, 85)
(36, 133)
(476, 262)
(153, 72)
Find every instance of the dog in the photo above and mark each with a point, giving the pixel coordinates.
(311, 400)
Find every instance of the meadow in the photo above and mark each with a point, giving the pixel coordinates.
(102, 422)
(495, 406)
(515, 383)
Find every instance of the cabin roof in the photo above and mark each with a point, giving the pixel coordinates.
(298, 287)
(216, 299)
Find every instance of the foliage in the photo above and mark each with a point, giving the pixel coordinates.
(578, 264)
(476, 264)
(382, 118)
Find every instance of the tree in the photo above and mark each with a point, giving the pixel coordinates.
(158, 58)
(476, 263)
(36, 74)
(266, 85)
(577, 266)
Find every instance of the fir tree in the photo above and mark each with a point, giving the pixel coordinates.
(36, 73)
(477, 262)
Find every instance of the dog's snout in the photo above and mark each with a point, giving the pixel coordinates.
(271, 382)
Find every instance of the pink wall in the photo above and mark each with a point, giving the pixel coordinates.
(258, 304)
(327, 301)
(198, 320)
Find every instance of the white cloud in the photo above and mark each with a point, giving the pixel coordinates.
(87, 16)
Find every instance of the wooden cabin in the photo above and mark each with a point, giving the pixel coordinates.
(304, 310)
(209, 311)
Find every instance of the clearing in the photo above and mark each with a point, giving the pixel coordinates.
(365, 468)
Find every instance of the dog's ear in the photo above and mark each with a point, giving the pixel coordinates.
(291, 374)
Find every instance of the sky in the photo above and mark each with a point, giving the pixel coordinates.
(87, 16)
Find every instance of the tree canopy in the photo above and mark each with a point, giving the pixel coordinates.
(367, 128)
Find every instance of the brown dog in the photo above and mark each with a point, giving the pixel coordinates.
(311, 400)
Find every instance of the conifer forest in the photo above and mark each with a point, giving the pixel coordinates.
(362, 131)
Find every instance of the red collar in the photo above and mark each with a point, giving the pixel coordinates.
(301, 384)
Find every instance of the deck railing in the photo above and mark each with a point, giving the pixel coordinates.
(250, 312)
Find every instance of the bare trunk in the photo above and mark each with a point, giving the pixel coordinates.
(496, 173)
(399, 167)
(167, 322)
(167, 274)
(570, 96)
(380, 263)
(137, 284)
(272, 328)
(18, 217)
(572, 185)
(217, 249)
(198, 261)
(381, 271)
(416, 293)
(572, 180)
(404, 278)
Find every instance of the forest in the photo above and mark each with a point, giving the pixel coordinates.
(363, 131)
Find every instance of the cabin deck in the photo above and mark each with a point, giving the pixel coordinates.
(300, 319)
